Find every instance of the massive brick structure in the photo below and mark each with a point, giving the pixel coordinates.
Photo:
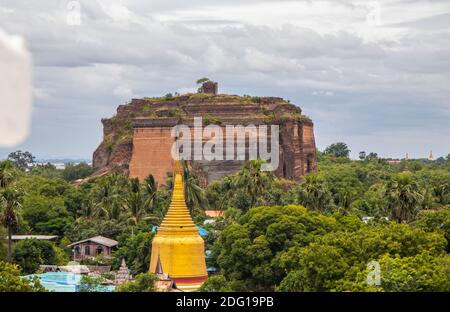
(138, 142)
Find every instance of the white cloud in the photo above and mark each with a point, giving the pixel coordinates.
(123, 92)
(322, 55)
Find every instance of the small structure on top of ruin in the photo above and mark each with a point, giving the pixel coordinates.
(209, 87)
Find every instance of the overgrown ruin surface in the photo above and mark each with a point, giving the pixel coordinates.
(137, 141)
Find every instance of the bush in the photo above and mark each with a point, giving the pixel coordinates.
(91, 284)
(215, 283)
(31, 253)
(144, 282)
(74, 172)
(136, 251)
(11, 281)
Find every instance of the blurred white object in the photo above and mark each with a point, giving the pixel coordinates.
(15, 90)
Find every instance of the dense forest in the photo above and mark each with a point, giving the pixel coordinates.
(332, 231)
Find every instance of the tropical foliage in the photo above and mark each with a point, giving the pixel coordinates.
(327, 231)
(11, 280)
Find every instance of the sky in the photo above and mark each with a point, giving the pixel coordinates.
(374, 75)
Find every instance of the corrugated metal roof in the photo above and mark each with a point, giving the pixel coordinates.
(41, 237)
(99, 240)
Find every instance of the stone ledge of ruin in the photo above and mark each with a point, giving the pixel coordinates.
(143, 122)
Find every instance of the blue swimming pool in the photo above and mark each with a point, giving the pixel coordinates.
(63, 282)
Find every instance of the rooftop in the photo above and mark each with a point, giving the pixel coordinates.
(99, 240)
(40, 237)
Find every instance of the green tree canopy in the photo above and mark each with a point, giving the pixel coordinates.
(144, 282)
(74, 172)
(11, 280)
(337, 150)
(23, 160)
(31, 253)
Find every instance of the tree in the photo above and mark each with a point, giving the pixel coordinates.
(135, 203)
(337, 150)
(10, 204)
(435, 221)
(253, 180)
(91, 284)
(202, 80)
(45, 214)
(215, 283)
(136, 251)
(47, 170)
(106, 203)
(23, 160)
(74, 172)
(84, 228)
(336, 258)
(106, 196)
(151, 193)
(194, 194)
(144, 282)
(31, 253)
(219, 193)
(7, 173)
(12, 281)
(442, 193)
(247, 252)
(319, 267)
(313, 193)
(421, 272)
(404, 197)
(372, 156)
(362, 155)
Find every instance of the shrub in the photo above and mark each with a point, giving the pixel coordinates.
(144, 282)
(11, 281)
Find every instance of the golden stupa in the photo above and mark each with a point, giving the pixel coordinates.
(177, 243)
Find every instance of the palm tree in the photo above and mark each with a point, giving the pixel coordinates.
(9, 217)
(151, 193)
(107, 202)
(442, 193)
(404, 197)
(135, 203)
(194, 194)
(104, 200)
(253, 180)
(314, 194)
(224, 190)
(7, 173)
(87, 210)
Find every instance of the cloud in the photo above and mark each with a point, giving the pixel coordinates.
(356, 80)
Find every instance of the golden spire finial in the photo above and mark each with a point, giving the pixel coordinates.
(430, 157)
(177, 168)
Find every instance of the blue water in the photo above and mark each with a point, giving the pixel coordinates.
(63, 282)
